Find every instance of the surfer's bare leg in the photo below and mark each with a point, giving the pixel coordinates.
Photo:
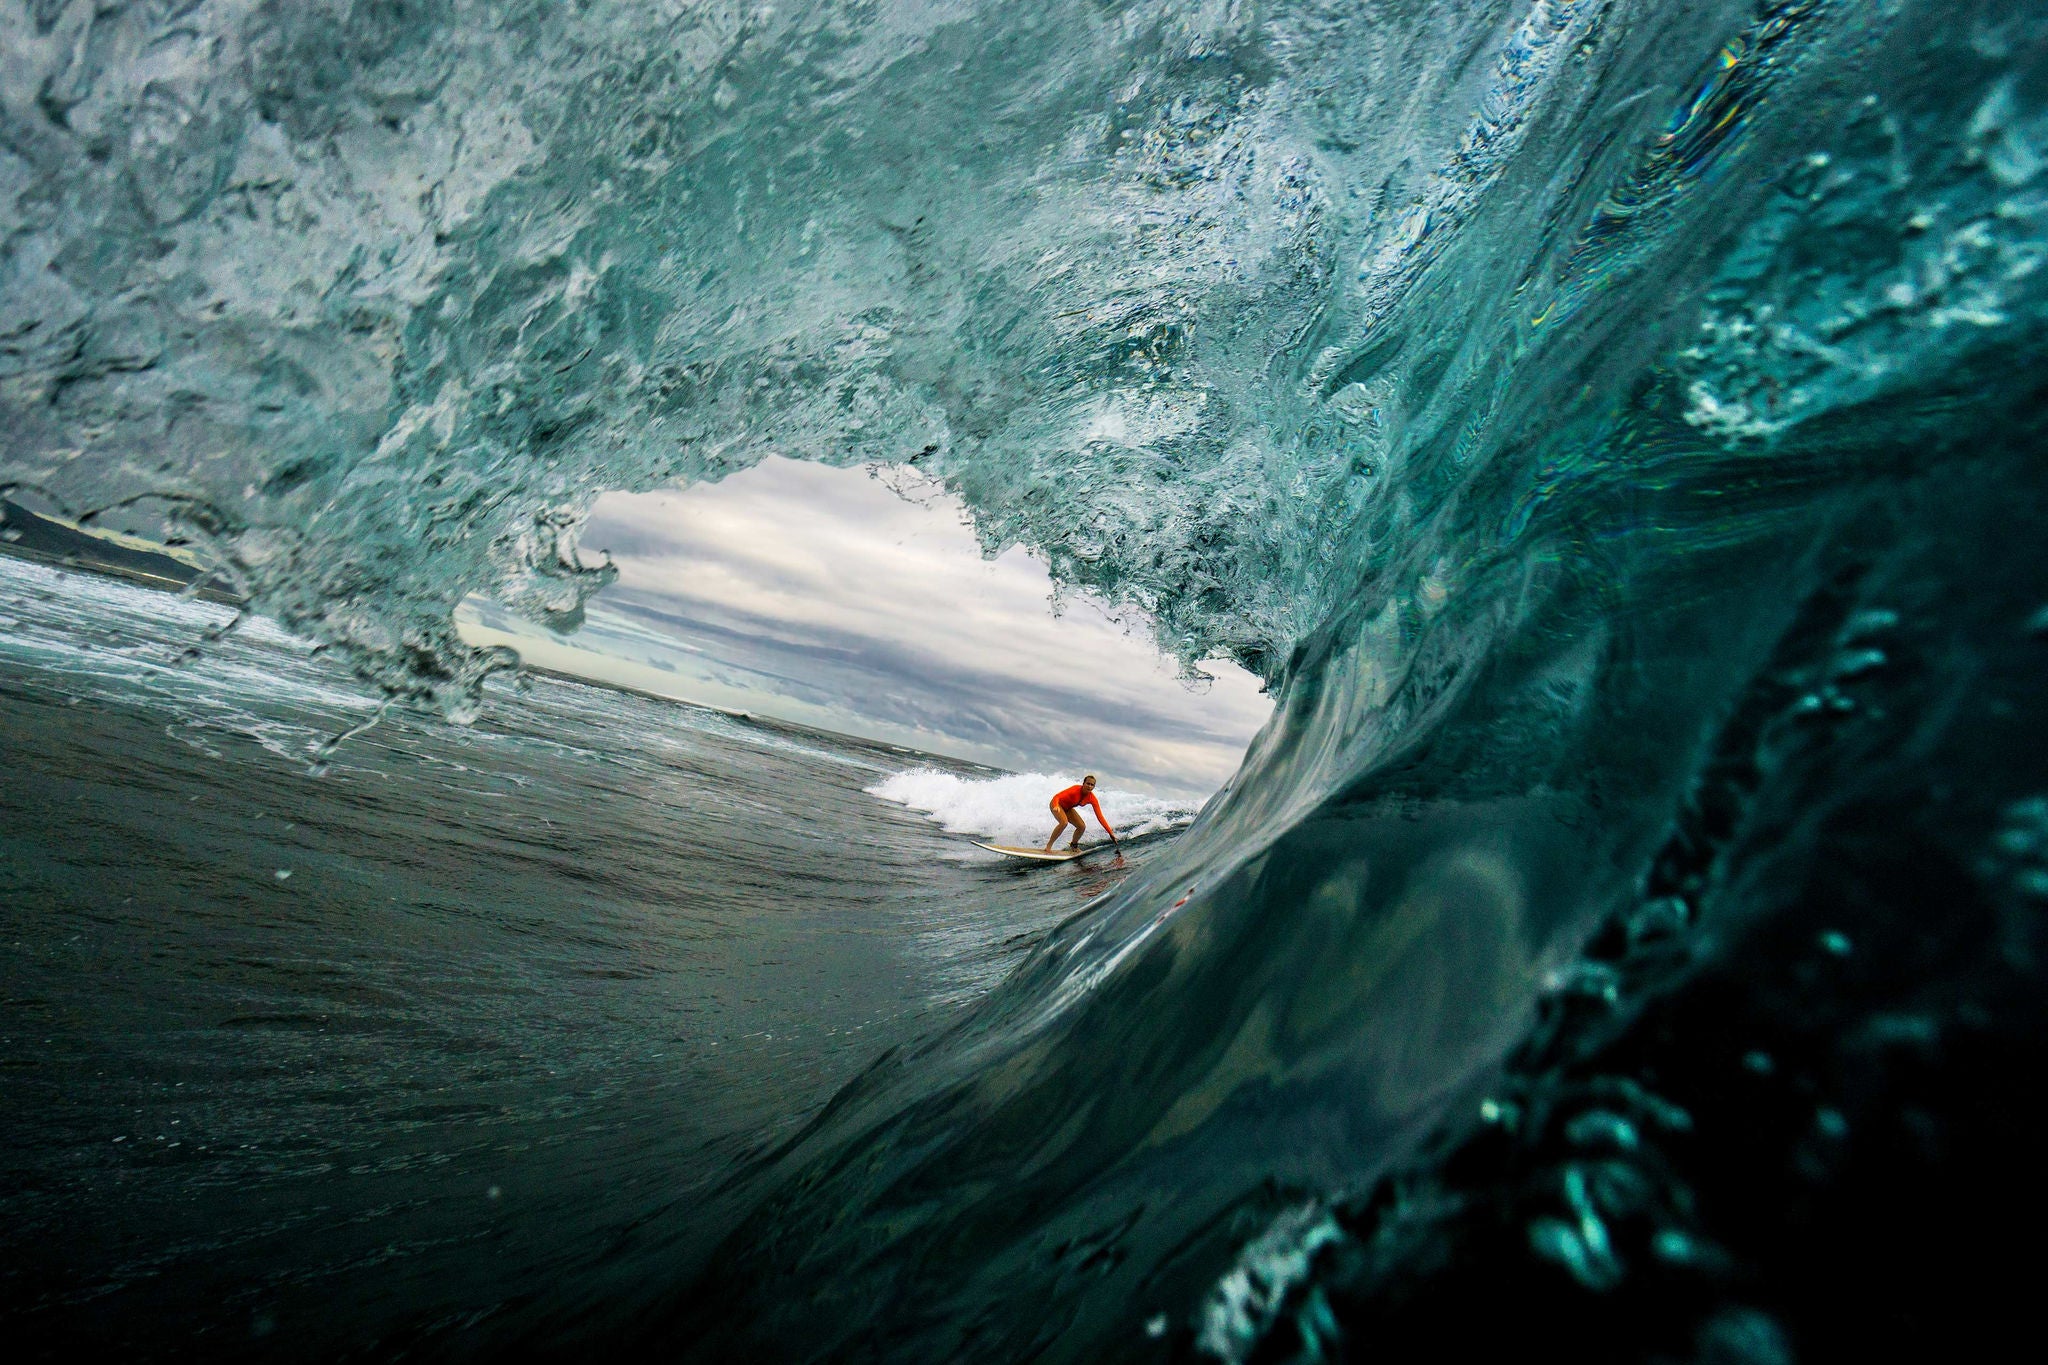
(1062, 818)
(1080, 828)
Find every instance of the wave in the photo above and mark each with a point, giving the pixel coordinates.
(1013, 806)
(1612, 430)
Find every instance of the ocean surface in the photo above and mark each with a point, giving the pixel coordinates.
(1613, 429)
(411, 1042)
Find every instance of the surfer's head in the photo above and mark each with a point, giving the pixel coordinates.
(1088, 781)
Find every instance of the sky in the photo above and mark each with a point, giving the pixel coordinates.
(822, 596)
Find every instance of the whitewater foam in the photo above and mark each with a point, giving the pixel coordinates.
(1013, 806)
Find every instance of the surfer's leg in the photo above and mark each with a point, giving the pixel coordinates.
(1059, 822)
(1080, 828)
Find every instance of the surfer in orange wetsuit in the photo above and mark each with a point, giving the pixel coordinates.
(1066, 811)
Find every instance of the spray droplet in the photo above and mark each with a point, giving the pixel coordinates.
(1660, 918)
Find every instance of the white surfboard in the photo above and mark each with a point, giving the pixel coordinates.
(1036, 855)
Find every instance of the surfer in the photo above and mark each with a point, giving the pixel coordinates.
(1066, 811)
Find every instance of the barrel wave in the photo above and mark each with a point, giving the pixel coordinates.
(1615, 432)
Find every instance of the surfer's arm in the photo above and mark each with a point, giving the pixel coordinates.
(1103, 819)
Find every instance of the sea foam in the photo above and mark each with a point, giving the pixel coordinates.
(1013, 807)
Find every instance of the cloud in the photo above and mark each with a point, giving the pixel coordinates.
(821, 596)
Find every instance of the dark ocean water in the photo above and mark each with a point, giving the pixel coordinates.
(463, 1030)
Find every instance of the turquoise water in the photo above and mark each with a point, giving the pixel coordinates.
(1613, 430)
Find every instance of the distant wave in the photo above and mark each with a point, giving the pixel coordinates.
(1014, 806)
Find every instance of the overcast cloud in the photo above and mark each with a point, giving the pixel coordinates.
(819, 596)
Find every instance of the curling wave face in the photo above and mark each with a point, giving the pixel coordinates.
(372, 299)
(1527, 390)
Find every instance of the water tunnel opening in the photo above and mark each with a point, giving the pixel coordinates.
(859, 601)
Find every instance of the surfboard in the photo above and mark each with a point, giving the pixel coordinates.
(1036, 855)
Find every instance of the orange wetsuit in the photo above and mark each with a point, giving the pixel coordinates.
(1074, 796)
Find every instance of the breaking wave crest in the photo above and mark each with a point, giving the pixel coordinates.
(1013, 807)
(1614, 430)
